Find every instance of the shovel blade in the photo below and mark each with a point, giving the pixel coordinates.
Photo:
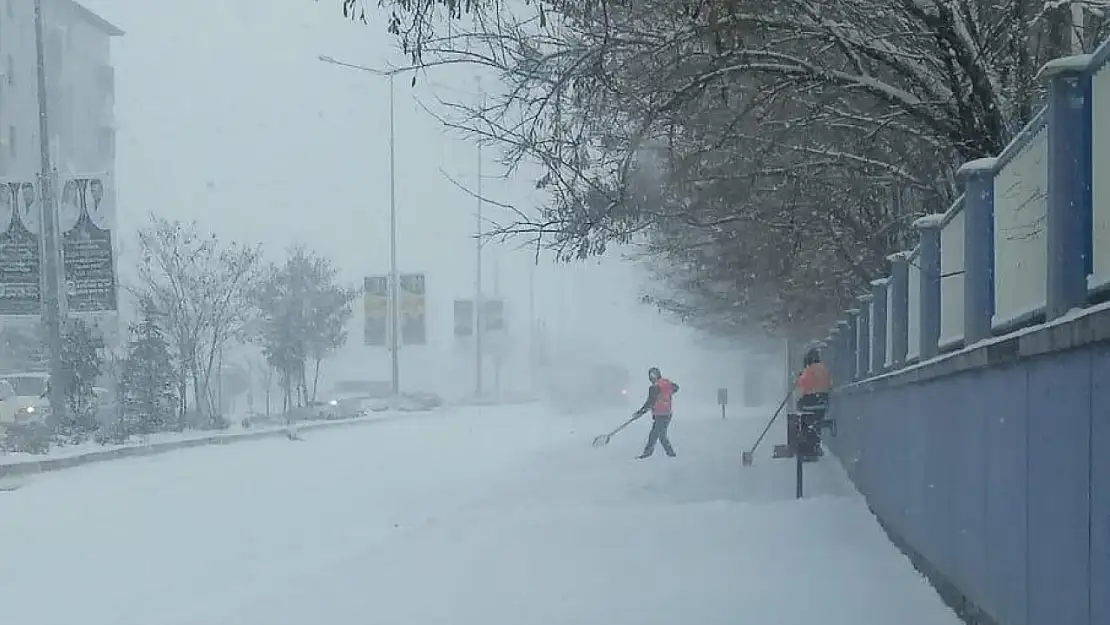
(746, 458)
(783, 451)
(601, 441)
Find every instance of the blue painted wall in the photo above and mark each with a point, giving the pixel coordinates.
(999, 477)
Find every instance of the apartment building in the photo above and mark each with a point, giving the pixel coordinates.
(80, 89)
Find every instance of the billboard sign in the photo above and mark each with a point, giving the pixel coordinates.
(20, 253)
(464, 318)
(413, 309)
(85, 215)
(493, 315)
(375, 293)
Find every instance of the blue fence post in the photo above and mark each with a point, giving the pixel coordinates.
(853, 338)
(829, 352)
(978, 177)
(929, 262)
(900, 309)
(844, 373)
(878, 324)
(865, 335)
(1068, 223)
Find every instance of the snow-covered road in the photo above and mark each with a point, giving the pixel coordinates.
(472, 517)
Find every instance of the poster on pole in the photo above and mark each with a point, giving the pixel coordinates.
(20, 254)
(493, 315)
(464, 318)
(413, 309)
(84, 214)
(375, 293)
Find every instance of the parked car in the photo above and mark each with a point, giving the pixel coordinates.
(22, 397)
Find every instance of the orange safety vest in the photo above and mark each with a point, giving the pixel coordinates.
(814, 379)
(662, 405)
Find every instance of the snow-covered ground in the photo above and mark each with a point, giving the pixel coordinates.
(476, 516)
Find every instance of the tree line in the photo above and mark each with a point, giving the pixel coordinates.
(199, 298)
(765, 156)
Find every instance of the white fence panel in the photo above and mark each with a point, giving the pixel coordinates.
(861, 340)
(871, 336)
(952, 279)
(913, 348)
(1100, 189)
(889, 324)
(1020, 194)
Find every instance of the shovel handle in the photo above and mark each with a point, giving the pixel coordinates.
(771, 422)
(625, 424)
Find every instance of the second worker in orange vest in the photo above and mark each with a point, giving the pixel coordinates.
(659, 402)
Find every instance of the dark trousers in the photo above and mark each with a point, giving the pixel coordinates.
(813, 408)
(658, 433)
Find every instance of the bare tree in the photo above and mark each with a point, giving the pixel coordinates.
(795, 139)
(202, 288)
(305, 313)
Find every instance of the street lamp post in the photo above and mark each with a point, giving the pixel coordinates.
(479, 305)
(51, 265)
(394, 277)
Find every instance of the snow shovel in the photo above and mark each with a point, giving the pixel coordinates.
(747, 457)
(603, 440)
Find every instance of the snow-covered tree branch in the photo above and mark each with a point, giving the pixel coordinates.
(797, 139)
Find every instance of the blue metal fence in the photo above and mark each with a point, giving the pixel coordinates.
(974, 400)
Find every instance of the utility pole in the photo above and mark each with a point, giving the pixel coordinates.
(532, 354)
(394, 277)
(498, 354)
(479, 317)
(51, 266)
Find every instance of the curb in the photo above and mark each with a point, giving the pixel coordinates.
(31, 467)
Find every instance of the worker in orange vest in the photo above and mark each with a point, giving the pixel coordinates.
(659, 401)
(813, 382)
(813, 385)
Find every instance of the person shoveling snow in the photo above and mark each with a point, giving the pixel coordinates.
(659, 401)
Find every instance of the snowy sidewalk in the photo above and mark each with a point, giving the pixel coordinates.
(494, 517)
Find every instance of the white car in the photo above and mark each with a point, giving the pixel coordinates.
(21, 397)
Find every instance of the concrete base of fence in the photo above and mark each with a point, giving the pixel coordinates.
(220, 438)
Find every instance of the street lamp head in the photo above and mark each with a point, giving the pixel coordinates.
(373, 70)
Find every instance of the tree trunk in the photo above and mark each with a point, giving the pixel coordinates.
(316, 379)
(286, 395)
(269, 384)
(302, 375)
(198, 393)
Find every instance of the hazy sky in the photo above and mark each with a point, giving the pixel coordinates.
(227, 117)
